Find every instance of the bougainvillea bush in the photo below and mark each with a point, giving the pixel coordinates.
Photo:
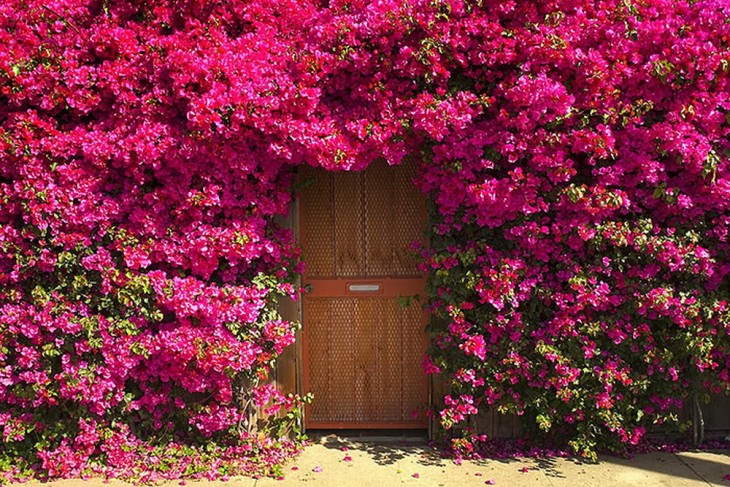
(579, 253)
(575, 154)
(139, 270)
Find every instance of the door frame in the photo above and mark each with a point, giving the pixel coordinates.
(324, 287)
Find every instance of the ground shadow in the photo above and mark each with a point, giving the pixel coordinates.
(549, 466)
(383, 448)
(706, 465)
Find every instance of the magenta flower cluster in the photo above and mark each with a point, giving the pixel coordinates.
(579, 253)
(139, 268)
(575, 152)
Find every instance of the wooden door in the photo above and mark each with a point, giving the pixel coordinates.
(364, 335)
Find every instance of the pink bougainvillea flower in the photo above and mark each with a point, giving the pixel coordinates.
(575, 155)
(347, 458)
(490, 481)
(524, 470)
(317, 469)
(416, 476)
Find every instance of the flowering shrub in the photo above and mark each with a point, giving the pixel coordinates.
(139, 269)
(578, 255)
(576, 154)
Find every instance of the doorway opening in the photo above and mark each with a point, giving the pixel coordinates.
(364, 335)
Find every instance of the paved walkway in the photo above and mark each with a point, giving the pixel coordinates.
(385, 464)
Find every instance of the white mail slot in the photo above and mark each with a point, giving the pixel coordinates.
(363, 288)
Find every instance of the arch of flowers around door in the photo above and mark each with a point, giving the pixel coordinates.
(575, 154)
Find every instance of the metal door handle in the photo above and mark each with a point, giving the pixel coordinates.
(363, 288)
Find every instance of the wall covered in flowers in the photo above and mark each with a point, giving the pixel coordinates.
(576, 157)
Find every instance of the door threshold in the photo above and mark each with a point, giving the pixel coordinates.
(408, 436)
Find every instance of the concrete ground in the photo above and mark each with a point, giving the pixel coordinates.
(336, 462)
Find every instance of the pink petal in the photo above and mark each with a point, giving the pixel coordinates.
(490, 482)
(416, 476)
(524, 469)
(344, 448)
(347, 458)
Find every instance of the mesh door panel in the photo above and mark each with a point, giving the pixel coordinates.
(318, 339)
(412, 349)
(365, 359)
(361, 224)
(379, 206)
(363, 353)
(318, 198)
(408, 221)
(349, 225)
